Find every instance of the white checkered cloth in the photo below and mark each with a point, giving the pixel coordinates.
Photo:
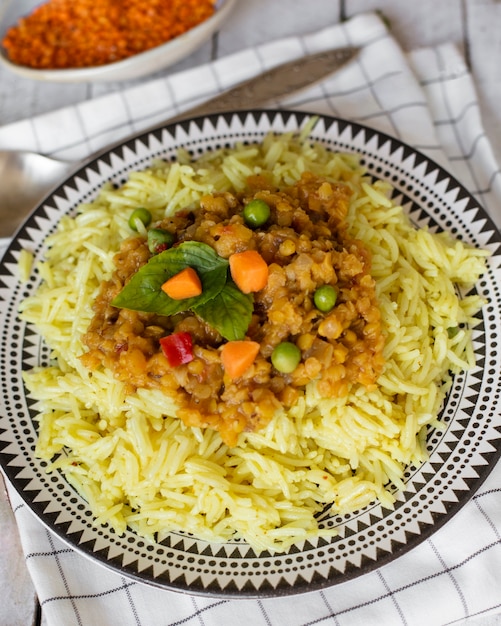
(425, 98)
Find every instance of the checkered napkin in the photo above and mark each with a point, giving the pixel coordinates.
(425, 98)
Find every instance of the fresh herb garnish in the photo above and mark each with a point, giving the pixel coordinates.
(144, 292)
(229, 312)
(221, 304)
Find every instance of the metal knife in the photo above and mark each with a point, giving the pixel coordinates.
(278, 81)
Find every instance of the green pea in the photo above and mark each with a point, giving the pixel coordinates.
(159, 240)
(256, 213)
(142, 215)
(325, 298)
(286, 357)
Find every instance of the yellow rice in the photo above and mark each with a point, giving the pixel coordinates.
(137, 464)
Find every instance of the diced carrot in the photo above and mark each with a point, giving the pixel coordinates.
(249, 270)
(238, 356)
(185, 284)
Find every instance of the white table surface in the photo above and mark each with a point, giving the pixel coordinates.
(474, 25)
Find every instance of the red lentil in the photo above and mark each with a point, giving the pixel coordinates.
(84, 33)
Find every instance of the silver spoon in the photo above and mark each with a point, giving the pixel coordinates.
(26, 178)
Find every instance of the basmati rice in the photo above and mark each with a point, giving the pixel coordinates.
(139, 466)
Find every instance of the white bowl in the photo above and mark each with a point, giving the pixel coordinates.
(136, 66)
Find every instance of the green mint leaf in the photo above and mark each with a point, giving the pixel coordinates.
(144, 292)
(229, 312)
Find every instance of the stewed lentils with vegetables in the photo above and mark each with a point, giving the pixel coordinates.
(268, 299)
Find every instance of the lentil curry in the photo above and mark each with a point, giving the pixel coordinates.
(306, 246)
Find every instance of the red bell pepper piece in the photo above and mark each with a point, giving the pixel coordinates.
(178, 348)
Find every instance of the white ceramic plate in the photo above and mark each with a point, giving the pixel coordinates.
(460, 457)
(137, 66)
